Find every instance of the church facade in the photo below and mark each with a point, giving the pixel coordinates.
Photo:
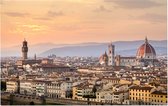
(145, 56)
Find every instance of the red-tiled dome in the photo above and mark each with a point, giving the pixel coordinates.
(146, 50)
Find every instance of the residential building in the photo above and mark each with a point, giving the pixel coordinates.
(12, 86)
(54, 90)
(139, 95)
(27, 87)
(158, 98)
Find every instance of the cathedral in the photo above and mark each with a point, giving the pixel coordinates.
(145, 56)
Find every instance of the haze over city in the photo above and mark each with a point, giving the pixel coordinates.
(83, 52)
(77, 21)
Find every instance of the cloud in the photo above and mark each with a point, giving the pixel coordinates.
(1, 2)
(16, 14)
(155, 18)
(49, 16)
(54, 14)
(101, 8)
(76, 27)
(42, 18)
(138, 4)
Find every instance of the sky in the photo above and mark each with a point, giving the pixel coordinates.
(78, 21)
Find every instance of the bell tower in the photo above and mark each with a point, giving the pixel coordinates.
(24, 50)
(111, 53)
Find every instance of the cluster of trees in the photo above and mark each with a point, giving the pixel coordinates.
(3, 86)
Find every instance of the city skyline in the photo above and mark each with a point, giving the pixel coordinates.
(85, 21)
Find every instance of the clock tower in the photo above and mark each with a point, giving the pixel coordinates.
(24, 50)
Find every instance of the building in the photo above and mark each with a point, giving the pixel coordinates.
(24, 60)
(66, 89)
(119, 97)
(24, 50)
(103, 60)
(104, 95)
(41, 87)
(54, 90)
(27, 61)
(82, 91)
(140, 95)
(111, 55)
(146, 55)
(12, 86)
(111, 80)
(49, 68)
(158, 98)
(125, 61)
(47, 61)
(27, 87)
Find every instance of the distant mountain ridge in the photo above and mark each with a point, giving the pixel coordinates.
(125, 48)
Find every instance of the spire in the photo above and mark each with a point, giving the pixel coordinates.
(105, 53)
(110, 44)
(146, 39)
(34, 56)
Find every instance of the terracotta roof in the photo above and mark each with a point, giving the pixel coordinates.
(141, 88)
(145, 48)
(159, 93)
(128, 57)
(53, 66)
(117, 93)
(110, 78)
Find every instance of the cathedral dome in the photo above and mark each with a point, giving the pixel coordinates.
(146, 51)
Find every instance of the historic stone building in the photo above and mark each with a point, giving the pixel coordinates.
(145, 56)
(24, 50)
(24, 59)
(111, 55)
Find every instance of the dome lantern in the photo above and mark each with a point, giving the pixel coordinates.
(146, 51)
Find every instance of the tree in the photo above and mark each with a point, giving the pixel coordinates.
(11, 99)
(3, 85)
(43, 100)
(31, 103)
(94, 89)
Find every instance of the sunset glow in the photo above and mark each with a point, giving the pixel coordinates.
(76, 21)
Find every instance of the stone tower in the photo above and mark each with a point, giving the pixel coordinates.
(24, 50)
(111, 55)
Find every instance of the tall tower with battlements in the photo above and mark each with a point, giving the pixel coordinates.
(24, 50)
